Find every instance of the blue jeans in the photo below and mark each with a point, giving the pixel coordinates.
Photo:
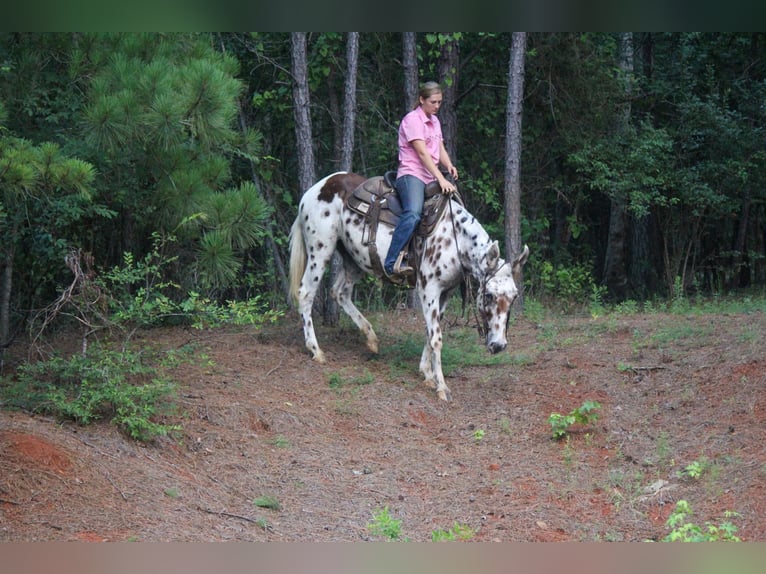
(412, 195)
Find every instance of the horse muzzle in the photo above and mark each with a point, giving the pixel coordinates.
(496, 346)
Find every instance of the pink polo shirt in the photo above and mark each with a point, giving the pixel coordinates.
(416, 125)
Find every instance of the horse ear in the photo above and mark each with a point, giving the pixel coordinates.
(520, 260)
(493, 256)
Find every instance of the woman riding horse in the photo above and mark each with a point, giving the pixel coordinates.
(421, 151)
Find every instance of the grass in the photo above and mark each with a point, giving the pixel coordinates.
(269, 502)
(280, 441)
(339, 381)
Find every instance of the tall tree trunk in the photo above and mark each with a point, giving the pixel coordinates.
(740, 244)
(302, 111)
(349, 102)
(512, 187)
(302, 115)
(6, 284)
(331, 310)
(410, 60)
(615, 268)
(449, 61)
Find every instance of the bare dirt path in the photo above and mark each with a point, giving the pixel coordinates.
(327, 446)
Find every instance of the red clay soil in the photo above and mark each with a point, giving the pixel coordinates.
(334, 444)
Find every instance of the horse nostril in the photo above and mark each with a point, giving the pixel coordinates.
(495, 347)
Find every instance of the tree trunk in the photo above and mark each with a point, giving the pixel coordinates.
(740, 246)
(302, 111)
(512, 187)
(302, 115)
(331, 310)
(410, 59)
(449, 61)
(349, 102)
(615, 268)
(6, 284)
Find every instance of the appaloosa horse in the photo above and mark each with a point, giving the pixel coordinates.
(459, 245)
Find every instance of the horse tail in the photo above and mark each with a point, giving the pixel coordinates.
(297, 259)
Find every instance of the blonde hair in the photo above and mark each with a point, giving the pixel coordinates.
(427, 90)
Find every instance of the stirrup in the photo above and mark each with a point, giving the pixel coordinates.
(401, 268)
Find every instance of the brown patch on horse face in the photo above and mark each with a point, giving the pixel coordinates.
(503, 305)
(340, 185)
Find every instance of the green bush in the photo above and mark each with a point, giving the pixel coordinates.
(103, 385)
(584, 414)
(684, 531)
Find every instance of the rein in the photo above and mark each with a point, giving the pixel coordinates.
(481, 326)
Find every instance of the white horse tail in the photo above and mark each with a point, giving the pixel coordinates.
(297, 258)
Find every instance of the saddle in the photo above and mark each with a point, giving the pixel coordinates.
(377, 200)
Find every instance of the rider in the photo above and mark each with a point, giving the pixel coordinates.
(421, 151)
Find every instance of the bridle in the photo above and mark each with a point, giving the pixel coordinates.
(481, 326)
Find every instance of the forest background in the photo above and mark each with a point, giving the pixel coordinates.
(162, 170)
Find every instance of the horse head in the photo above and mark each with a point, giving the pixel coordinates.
(497, 293)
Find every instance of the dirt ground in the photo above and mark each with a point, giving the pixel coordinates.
(331, 445)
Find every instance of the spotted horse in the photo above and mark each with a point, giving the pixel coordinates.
(458, 246)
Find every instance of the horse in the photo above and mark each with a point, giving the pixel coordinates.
(459, 245)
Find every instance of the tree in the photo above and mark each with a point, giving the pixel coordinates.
(410, 65)
(349, 101)
(332, 313)
(448, 70)
(162, 119)
(615, 267)
(302, 111)
(42, 193)
(512, 188)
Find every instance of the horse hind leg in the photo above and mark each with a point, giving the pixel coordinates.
(342, 291)
(312, 275)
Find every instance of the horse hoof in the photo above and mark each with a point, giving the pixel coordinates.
(320, 358)
(373, 347)
(444, 394)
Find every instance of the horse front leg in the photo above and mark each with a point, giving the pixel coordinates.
(431, 360)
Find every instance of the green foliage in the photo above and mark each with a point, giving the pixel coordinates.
(458, 531)
(140, 296)
(695, 469)
(462, 349)
(172, 124)
(636, 167)
(270, 502)
(280, 441)
(114, 385)
(385, 526)
(685, 531)
(566, 285)
(337, 381)
(585, 414)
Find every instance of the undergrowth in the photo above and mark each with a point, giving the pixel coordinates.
(119, 386)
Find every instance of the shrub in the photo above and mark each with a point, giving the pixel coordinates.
(683, 531)
(584, 414)
(104, 384)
